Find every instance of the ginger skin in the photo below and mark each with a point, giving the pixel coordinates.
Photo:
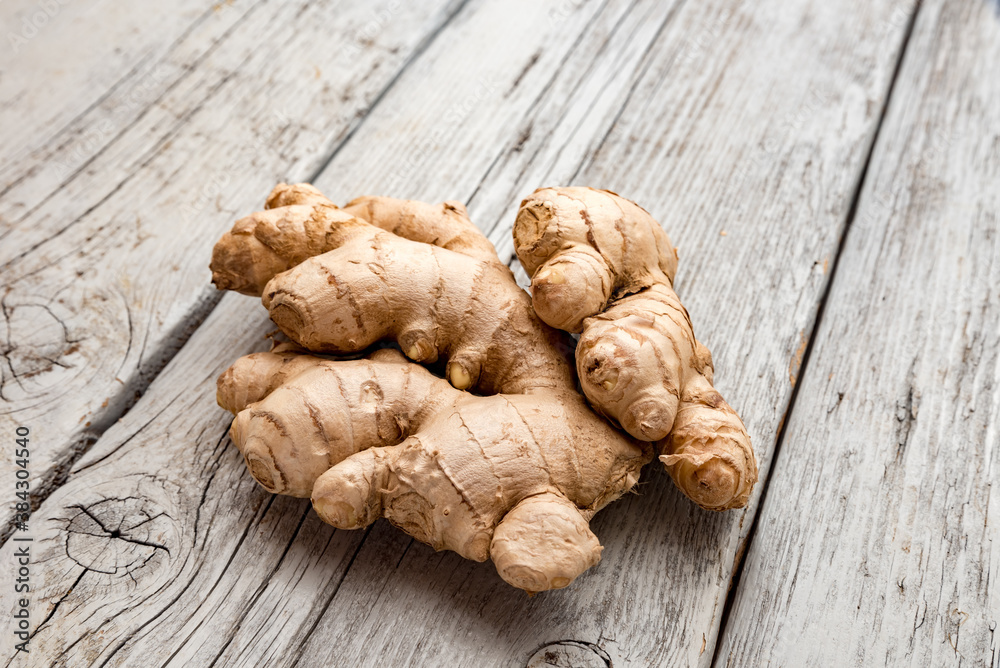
(335, 283)
(602, 266)
(514, 476)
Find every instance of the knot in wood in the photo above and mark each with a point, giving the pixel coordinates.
(118, 537)
(43, 349)
(570, 654)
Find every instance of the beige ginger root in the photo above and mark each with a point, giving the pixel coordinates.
(337, 283)
(515, 476)
(602, 266)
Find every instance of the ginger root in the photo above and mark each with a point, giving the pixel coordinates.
(512, 473)
(513, 477)
(335, 282)
(601, 266)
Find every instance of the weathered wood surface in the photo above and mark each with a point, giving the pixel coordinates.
(878, 540)
(629, 96)
(658, 597)
(199, 553)
(754, 120)
(105, 268)
(102, 68)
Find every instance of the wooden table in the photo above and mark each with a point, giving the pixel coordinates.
(830, 170)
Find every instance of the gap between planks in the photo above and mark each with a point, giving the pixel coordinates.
(734, 584)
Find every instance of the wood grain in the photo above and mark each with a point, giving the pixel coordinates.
(160, 536)
(716, 118)
(103, 66)
(723, 130)
(86, 619)
(107, 276)
(654, 574)
(877, 543)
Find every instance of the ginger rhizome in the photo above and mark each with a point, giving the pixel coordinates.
(515, 476)
(601, 266)
(512, 477)
(512, 473)
(338, 280)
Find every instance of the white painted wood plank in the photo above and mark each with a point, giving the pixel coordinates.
(657, 596)
(470, 104)
(99, 63)
(95, 307)
(878, 541)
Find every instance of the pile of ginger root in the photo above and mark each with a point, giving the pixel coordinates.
(503, 458)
